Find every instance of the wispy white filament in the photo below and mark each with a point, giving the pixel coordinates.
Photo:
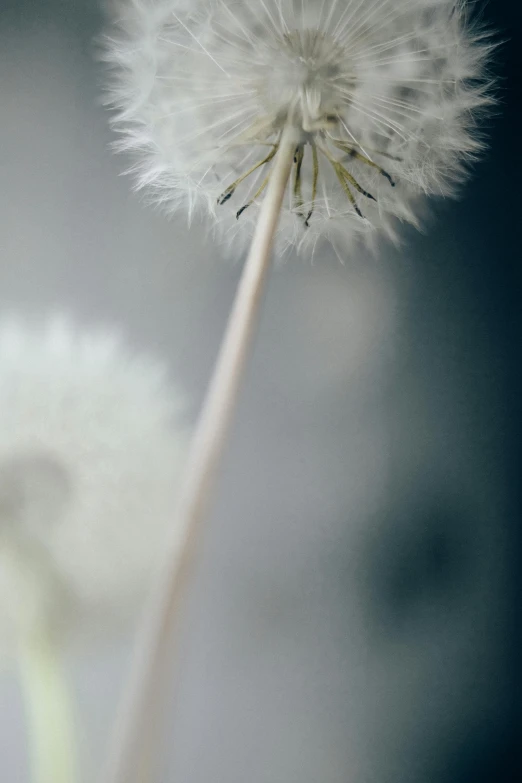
(396, 85)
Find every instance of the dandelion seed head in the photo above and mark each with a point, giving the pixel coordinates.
(385, 97)
(91, 446)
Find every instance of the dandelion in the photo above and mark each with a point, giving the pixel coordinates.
(383, 97)
(90, 451)
(287, 122)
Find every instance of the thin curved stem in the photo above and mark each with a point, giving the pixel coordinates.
(49, 711)
(130, 753)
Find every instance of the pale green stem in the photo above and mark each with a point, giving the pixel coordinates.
(49, 711)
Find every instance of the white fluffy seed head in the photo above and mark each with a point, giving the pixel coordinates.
(90, 451)
(385, 96)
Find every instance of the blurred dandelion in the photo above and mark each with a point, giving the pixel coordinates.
(384, 96)
(337, 117)
(90, 451)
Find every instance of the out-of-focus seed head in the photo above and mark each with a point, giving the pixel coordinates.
(91, 447)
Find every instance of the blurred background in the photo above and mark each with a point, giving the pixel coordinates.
(355, 612)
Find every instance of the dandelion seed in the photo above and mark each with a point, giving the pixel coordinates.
(384, 96)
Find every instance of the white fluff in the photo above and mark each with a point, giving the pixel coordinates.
(90, 451)
(199, 96)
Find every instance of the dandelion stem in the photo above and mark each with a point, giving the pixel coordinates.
(49, 711)
(130, 754)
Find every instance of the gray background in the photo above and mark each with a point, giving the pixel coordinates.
(353, 617)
